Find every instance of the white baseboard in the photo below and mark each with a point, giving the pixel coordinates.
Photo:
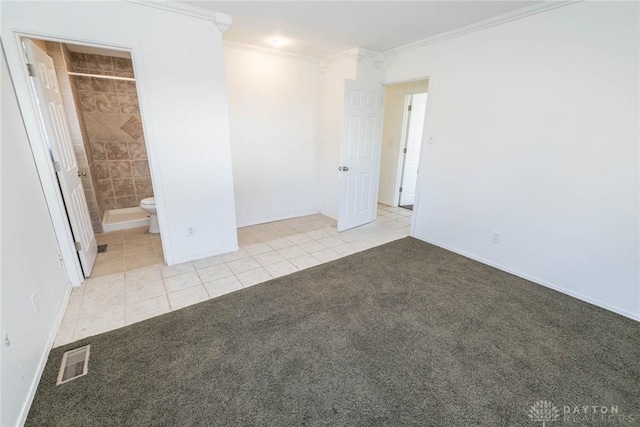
(577, 295)
(204, 255)
(278, 218)
(43, 360)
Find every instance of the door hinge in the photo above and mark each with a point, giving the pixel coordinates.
(56, 166)
(32, 70)
(404, 151)
(401, 189)
(78, 246)
(409, 108)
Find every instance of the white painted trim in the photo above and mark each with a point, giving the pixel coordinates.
(37, 141)
(186, 9)
(281, 218)
(222, 20)
(24, 411)
(485, 23)
(269, 51)
(427, 74)
(344, 54)
(359, 52)
(403, 140)
(201, 255)
(535, 280)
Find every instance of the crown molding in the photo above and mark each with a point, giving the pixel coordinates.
(357, 52)
(338, 56)
(268, 51)
(485, 23)
(222, 20)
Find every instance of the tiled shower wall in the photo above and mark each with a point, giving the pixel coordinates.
(112, 116)
(77, 128)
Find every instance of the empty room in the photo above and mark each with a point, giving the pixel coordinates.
(227, 213)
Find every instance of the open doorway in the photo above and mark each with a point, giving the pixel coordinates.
(89, 111)
(403, 125)
(410, 158)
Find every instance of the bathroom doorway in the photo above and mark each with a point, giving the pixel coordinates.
(402, 134)
(94, 129)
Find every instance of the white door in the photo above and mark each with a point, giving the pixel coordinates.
(360, 153)
(412, 146)
(57, 133)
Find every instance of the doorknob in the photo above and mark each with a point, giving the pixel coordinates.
(82, 173)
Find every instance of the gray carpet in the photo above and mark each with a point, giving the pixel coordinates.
(402, 334)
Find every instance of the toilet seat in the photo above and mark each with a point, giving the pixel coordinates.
(149, 201)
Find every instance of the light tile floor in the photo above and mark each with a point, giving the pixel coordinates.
(131, 283)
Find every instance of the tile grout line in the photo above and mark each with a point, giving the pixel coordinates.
(323, 230)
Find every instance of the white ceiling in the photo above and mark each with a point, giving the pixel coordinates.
(320, 29)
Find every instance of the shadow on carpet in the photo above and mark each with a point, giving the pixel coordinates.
(402, 334)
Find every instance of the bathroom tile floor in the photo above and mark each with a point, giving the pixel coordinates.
(130, 282)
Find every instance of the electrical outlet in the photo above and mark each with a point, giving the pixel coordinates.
(495, 237)
(34, 302)
(191, 230)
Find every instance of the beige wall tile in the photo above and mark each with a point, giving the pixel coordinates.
(116, 150)
(126, 202)
(106, 102)
(103, 85)
(123, 187)
(120, 169)
(140, 168)
(137, 151)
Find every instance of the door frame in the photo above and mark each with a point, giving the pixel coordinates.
(17, 63)
(423, 75)
(69, 179)
(402, 158)
(406, 116)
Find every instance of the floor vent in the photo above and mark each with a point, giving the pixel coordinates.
(102, 248)
(75, 363)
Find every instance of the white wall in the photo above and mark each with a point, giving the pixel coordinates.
(274, 109)
(536, 126)
(178, 61)
(393, 122)
(29, 266)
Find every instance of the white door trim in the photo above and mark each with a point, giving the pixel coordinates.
(44, 165)
(412, 147)
(16, 60)
(403, 137)
(428, 74)
(57, 128)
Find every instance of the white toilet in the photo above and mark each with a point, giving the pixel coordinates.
(149, 205)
